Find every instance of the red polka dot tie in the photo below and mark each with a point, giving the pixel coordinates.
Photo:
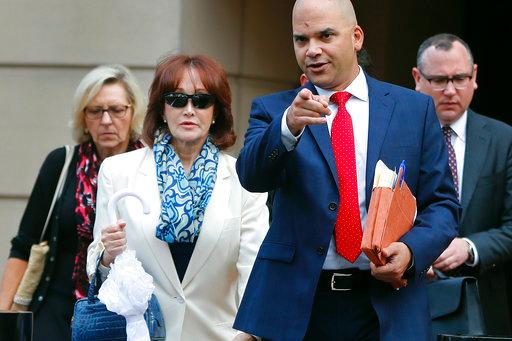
(347, 230)
(452, 159)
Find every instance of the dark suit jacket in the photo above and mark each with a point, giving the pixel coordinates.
(279, 295)
(487, 214)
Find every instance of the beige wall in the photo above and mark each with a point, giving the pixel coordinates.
(46, 47)
(252, 40)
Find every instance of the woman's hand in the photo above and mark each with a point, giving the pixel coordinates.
(114, 240)
(13, 273)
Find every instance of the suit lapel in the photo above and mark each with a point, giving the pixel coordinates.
(380, 110)
(477, 144)
(212, 223)
(321, 135)
(146, 183)
(323, 140)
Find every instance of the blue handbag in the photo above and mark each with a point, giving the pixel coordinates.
(93, 322)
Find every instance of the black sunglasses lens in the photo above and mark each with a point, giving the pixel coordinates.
(176, 100)
(179, 100)
(202, 101)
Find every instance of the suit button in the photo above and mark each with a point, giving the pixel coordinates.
(333, 206)
(320, 251)
(40, 298)
(273, 154)
(179, 299)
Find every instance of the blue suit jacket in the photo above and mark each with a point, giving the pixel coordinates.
(403, 126)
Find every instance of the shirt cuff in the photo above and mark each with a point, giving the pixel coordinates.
(475, 253)
(103, 271)
(254, 336)
(411, 269)
(288, 139)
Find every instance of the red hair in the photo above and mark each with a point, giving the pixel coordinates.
(168, 75)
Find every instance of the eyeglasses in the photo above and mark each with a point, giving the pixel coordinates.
(115, 111)
(439, 83)
(179, 100)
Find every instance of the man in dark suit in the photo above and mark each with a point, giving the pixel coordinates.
(317, 147)
(481, 153)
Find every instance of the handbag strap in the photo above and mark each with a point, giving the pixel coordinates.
(95, 282)
(58, 189)
(91, 292)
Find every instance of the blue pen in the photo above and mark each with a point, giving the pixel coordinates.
(402, 166)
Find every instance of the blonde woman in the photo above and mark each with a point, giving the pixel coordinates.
(108, 111)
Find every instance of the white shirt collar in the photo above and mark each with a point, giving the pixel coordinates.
(358, 88)
(459, 126)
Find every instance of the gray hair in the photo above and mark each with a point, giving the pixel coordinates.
(442, 41)
(91, 85)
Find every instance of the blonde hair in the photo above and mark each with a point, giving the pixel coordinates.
(89, 87)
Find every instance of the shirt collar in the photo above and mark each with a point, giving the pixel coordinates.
(358, 88)
(459, 126)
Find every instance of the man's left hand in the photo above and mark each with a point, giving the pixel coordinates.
(455, 255)
(398, 258)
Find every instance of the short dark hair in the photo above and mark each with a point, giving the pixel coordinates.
(168, 75)
(442, 41)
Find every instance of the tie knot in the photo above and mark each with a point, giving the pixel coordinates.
(340, 98)
(447, 131)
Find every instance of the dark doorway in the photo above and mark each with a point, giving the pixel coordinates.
(395, 28)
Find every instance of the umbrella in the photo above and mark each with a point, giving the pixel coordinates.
(128, 288)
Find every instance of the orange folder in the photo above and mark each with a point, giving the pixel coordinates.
(391, 214)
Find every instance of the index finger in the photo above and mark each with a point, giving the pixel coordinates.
(392, 249)
(382, 269)
(442, 257)
(305, 94)
(309, 107)
(324, 100)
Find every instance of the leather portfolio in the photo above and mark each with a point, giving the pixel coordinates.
(455, 307)
(391, 214)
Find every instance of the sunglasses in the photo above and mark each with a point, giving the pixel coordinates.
(179, 100)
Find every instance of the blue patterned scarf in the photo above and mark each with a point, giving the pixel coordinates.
(183, 198)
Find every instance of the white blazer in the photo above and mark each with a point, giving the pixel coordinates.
(204, 305)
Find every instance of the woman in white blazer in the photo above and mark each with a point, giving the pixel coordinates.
(203, 233)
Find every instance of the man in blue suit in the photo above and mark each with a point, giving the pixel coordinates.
(310, 280)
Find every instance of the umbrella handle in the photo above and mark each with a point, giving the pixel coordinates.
(111, 206)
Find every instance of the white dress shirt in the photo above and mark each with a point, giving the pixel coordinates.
(358, 109)
(458, 140)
